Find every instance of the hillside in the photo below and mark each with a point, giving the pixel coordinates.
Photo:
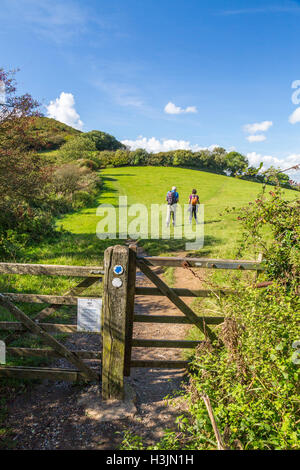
(149, 185)
(54, 133)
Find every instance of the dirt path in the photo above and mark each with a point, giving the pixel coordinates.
(50, 416)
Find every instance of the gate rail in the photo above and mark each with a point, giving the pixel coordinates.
(43, 330)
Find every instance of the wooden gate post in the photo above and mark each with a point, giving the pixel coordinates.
(117, 324)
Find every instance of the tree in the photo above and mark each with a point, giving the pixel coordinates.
(104, 141)
(24, 177)
(139, 157)
(23, 174)
(236, 163)
(219, 156)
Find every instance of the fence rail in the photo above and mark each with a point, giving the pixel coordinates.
(201, 263)
(48, 327)
(183, 292)
(37, 352)
(51, 270)
(175, 319)
(46, 299)
(69, 375)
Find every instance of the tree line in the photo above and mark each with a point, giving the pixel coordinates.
(88, 150)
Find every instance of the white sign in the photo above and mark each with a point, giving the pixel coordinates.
(89, 315)
(2, 352)
(117, 282)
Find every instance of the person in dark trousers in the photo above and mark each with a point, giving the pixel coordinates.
(193, 203)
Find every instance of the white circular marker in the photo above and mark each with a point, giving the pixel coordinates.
(117, 282)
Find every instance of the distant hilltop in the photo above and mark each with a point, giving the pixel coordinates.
(55, 133)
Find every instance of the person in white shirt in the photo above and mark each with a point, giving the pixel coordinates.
(172, 198)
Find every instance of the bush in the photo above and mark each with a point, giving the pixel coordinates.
(252, 381)
(282, 220)
(22, 226)
(12, 244)
(74, 185)
(82, 199)
(66, 179)
(91, 164)
(76, 148)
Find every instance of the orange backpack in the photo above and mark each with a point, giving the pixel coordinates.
(194, 199)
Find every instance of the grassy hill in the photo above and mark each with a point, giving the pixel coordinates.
(150, 184)
(54, 133)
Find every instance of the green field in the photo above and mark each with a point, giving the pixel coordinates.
(80, 246)
(149, 185)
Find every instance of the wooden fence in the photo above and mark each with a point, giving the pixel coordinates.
(43, 330)
(118, 317)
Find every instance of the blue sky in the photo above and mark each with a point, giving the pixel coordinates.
(164, 73)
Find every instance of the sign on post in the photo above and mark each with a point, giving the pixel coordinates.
(89, 315)
(118, 309)
(118, 269)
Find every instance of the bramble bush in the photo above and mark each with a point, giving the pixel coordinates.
(280, 220)
(251, 381)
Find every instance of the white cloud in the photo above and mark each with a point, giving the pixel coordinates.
(295, 116)
(268, 160)
(256, 138)
(190, 109)
(258, 127)
(164, 145)
(63, 110)
(171, 108)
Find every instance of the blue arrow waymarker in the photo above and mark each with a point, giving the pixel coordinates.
(118, 269)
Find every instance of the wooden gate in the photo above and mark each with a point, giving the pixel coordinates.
(119, 291)
(43, 330)
(120, 263)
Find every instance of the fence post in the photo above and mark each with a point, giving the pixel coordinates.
(118, 305)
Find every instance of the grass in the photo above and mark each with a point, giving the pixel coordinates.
(149, 185)
(145, 185)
